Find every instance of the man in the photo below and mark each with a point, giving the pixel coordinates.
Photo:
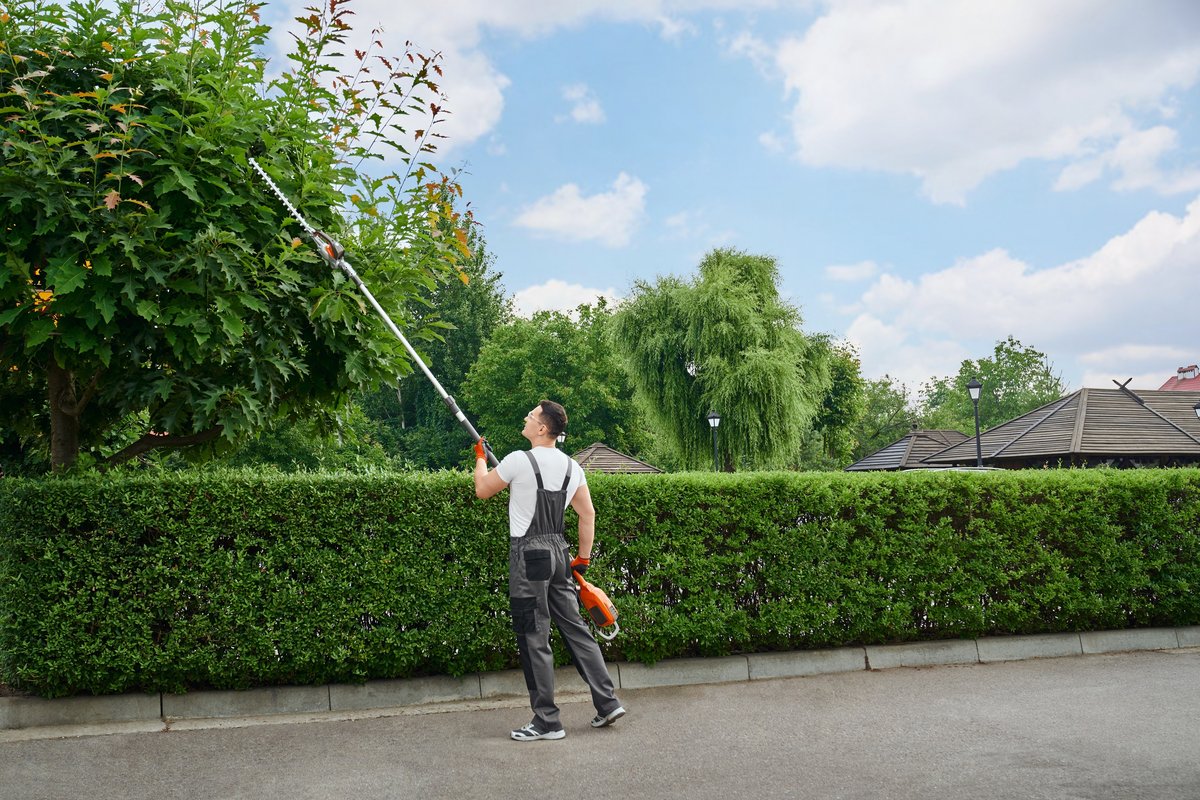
(541, 481)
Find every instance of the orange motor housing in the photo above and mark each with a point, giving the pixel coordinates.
(599, 608)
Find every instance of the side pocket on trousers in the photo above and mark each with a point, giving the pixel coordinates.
(537, 565)
(524, 614)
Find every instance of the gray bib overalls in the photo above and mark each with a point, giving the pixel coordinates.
(541, 589)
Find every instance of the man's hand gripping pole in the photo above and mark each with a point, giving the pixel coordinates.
(335, 256)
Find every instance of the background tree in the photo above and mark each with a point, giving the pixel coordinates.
(842, 407)
(410, 419)
(1016, 379)
(724, 341)
(148, 277)
(887, 416)
(552, 357)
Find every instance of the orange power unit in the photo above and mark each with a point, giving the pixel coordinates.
(599, 608)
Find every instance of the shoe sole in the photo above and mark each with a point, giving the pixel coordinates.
(549, 735)
(610, 719)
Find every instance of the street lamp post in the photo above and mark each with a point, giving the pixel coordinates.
(714, 419)
(974, 388)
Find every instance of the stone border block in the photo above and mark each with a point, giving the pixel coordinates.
(1016, 648)
(248, 703)
(1189, 637)
(1136, 639)
(511, 683)
(923, 654)
(36, 712)
(402, 692)
(806, 662)
(683, 671)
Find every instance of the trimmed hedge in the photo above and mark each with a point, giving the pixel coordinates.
(232, 580)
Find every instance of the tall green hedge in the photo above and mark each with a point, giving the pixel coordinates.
(233, 580)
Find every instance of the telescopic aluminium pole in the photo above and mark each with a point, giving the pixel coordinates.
(335, 256)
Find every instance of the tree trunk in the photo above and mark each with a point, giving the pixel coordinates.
(64, 417)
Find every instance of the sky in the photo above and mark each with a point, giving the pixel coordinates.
(931, 176)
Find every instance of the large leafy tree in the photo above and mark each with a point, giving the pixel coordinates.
(411, 420)
(1016, 379)
(149, 282)
(554, 357)
(724, 341)
(842, 406)
(887, 415)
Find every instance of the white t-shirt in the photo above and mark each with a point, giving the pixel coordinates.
(517, 472)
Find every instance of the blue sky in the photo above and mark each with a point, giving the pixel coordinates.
(931, 176)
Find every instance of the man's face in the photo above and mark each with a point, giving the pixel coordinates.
(534, 427)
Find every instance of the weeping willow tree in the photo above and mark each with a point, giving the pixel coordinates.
(724, 341)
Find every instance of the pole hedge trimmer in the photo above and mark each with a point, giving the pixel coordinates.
(335, 256)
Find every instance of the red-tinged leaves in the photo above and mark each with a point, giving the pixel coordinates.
(112, 199)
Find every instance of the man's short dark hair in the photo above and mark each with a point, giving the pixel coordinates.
(554, 417)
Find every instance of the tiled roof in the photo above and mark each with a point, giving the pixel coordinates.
(908, 452)
(1187, 379)
(602, 458)
(1091, 425)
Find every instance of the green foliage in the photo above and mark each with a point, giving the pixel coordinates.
(886, 417)
(1016, 380)
(147, 273)
(231, 580)
(552, 357)
(724, 341)
(842, 406)
(410, 419)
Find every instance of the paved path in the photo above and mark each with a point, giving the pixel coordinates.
(1098, 727)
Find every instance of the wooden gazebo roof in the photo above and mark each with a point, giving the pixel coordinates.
(1091, 427)
(599, 457)
(908, 452)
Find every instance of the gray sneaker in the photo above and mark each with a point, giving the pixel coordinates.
(604, 720)
(531, 733)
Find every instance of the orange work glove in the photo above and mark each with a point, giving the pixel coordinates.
(580, 565)
(480, 452)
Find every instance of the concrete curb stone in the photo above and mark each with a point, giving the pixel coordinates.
(923, 654)
(682, 672)
(1188, 637)
(247, 703)
(1017, 648)
(1119, 641)
(403, 692)
(803, 663)
(511, 683)
(36, 712)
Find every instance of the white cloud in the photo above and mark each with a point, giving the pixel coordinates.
(456, 28)
(1108, 314)
(556, 295)
(955, 92)
(585, 107)
(861, 271)
(607, 217)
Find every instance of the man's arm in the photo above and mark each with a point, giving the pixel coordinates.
(582, 503)
(487, 484)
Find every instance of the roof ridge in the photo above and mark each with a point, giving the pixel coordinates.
(1153, 411)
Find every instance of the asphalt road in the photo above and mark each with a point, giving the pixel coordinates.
(1121, 726)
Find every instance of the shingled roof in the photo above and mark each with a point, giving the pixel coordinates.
(908, 452)
(1092, 427)
(599, 457)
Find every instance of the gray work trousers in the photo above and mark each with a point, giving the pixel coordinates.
(540, 589)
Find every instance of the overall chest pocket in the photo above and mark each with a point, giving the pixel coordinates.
(537, 565)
